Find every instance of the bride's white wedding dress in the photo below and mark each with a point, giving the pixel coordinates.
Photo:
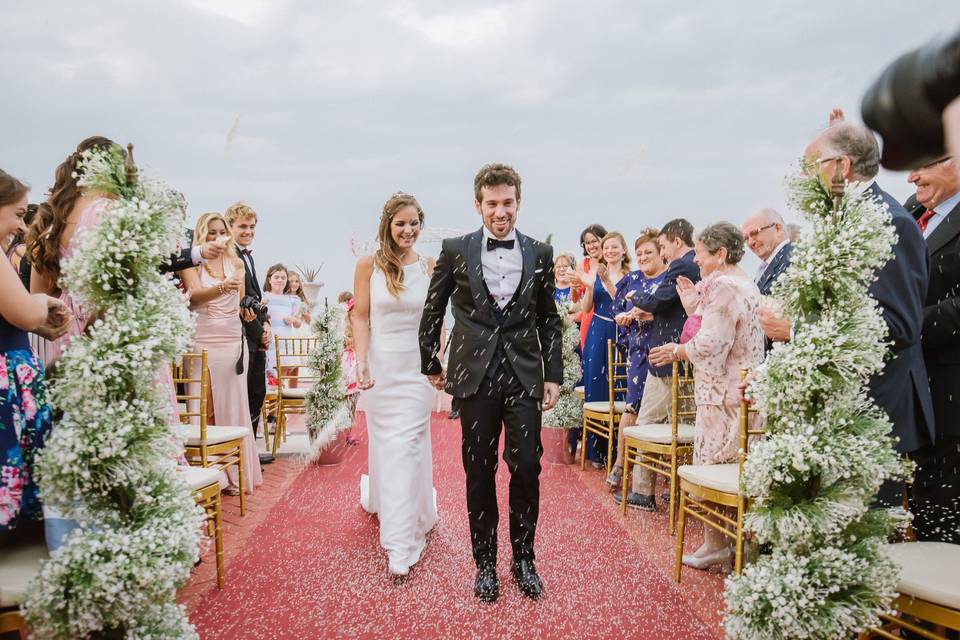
(399, 487)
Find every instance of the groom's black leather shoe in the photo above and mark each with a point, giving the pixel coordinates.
(527, 579)
(487, 587)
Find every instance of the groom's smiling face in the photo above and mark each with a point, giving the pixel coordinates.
(498, 208)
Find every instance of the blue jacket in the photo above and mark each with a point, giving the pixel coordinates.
(775, 269)
(664, 304)
(902, 388)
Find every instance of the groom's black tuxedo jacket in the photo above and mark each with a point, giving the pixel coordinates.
(530, 331)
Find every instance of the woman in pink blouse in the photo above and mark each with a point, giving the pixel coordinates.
(729, 339)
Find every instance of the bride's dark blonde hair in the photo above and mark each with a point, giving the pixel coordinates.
(388, 258)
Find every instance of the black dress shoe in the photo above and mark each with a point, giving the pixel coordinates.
(527, 579)
(637, 501)
(487, 587)
(265, 458)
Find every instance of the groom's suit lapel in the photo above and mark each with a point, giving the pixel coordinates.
(481, 298)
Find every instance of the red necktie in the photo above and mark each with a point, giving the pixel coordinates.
(923, 220)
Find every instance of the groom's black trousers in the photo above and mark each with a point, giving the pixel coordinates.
(501, 400)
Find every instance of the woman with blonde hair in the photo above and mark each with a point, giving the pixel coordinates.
(390, 288)
(215, 290)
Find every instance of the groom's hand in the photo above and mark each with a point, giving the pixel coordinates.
(551, 393)
(438, 380)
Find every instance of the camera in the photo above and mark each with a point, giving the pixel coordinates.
(253, 304)
(905, 104)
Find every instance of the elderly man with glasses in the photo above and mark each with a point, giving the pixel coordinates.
(936, 488)
(766, 236)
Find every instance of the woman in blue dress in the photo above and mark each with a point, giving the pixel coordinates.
(25, 416)
(633, 334)
(599, 297)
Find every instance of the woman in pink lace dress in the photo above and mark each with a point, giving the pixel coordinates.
(729, 339)
(216, 288)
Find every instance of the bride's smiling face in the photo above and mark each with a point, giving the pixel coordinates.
(405, 227)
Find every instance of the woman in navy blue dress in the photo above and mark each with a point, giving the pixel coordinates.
(25, 416)
(599, 297)
(633, 337)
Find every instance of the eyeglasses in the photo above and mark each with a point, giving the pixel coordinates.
(818, 163)
(753, 234)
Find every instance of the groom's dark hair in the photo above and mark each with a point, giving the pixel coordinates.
(494, 175)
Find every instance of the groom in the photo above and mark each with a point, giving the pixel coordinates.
(505, 366)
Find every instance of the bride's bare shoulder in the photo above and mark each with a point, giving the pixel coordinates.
(365, 264)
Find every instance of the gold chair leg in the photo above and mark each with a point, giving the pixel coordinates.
(624, 479)
(583, 446)
(738, 539)
(678, 560)
(277, 426)
(672, 507)
(243, 490)
(218, 540)
(610, 450)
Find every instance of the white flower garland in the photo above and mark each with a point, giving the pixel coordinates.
(328, 412)
(110, 462)
(828, 447)
(568, 412)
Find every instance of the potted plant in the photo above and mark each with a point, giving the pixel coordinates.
(568, 412)
(310, 282)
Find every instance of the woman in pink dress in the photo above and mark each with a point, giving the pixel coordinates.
(215, 289)
(729, 339)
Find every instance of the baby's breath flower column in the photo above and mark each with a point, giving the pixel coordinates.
(110, 461)
(568, 412)
(828, 446)
(328, 412)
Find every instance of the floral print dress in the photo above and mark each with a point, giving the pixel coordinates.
(25, 421)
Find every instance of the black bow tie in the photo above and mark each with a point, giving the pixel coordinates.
(493, 243)
(246, 252)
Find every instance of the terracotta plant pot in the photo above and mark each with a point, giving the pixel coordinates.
(334, 453)
(554, 442)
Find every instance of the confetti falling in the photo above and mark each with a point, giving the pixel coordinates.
(313, 567)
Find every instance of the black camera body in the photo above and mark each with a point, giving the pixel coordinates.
(905, 104)
(254, 304)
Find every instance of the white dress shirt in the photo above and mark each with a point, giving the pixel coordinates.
(502, 268)
(941, 212)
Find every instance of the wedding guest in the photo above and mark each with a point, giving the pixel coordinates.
(767, 238)
(901, 389)
(729, 339)
(278, 282)
(633, 334)
(25, 415)
(15, 246)
(564, 267)
(664, 309)
(216, 289)
(242, 221)
(598, 297)
(936, 486)
(590, 243)
(295, 288)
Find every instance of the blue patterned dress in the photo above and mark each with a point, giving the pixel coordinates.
(25, 421)
(595, 379)
(633, 341)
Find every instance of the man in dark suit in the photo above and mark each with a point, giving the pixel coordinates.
(505, 366)
(664, 308)
(936, 487)
(901, 389)
(243, 223)
(766, 235)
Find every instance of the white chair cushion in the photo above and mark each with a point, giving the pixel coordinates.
(603, 406)
(660, 433)
(299, 392)
(720, 477)
(199, 477)
(18, 566)
(930, 571)
(215, 434)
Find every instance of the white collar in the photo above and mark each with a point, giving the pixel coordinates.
(510, 236)
(249, 247)
(773, 254)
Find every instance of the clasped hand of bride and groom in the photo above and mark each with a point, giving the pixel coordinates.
(504, 366)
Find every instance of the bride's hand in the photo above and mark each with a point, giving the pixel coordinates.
(364, 381)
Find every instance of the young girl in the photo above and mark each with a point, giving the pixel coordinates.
(295, 288)
(284, 314)
(349, 362)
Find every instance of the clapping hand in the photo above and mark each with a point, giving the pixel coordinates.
(689, 296)
(234, 282)
(775, 326)
(664, 354)
(57, 322)
(214, 248)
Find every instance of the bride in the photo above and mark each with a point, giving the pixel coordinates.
(390, 288)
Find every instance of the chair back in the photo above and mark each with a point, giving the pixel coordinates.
(616, 373)
(191, 379)
(292, 360)
(683, 403)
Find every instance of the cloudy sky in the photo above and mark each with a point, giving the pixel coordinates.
(623, 113)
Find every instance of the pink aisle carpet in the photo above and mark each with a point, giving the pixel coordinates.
(305, 563)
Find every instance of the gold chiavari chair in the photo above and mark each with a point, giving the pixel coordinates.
(661, 448)
(18, 566)
(602, 417)
(269, 409)
(216, 446)
(706, 489)
(292, 387)
(204, 483)
(929, 601)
